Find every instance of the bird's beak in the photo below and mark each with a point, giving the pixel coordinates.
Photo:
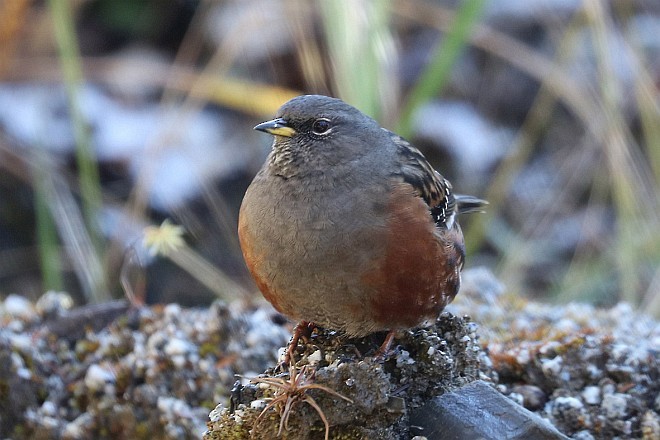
(277, 127)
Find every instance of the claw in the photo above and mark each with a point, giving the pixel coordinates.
(303, 330)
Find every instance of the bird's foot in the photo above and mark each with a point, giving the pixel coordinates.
(302, 331)
(386, 347)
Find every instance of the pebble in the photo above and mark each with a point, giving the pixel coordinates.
(19, 307)
(578, 380)
(615, 405)
(404, 358)
(562, 403)
(315, 357)
(97, 377)
(52, 303)
(650, 425)
(258, 404)
(591, 395)
(552, 367)
(178, 346)
(583, 435)
(533, 397)
(518, 398)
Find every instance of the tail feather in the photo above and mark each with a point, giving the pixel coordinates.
(467, 204)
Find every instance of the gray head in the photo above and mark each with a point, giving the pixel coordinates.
(314, 131)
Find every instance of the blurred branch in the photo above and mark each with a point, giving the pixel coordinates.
(651, 303)
(518, 54)
(238, 94)
(631, 185)
(78, 243)
(167, 240)
(522, 147)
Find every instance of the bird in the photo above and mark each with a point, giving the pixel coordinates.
(348, 227)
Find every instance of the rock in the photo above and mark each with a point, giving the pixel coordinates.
(425, 363)
(97, 377)
(614, 405)
(650, 425)
(18, 393)
(53, 304)
(591, 395)
(533, 397)
(72, 324)
(570, 411)
(477, 410)
(19, 307)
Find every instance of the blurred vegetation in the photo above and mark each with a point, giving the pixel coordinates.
(88, 174)
(354, 50)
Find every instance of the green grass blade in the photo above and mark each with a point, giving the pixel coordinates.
(359, 46)
(90, 187)
(47, 238)
(435, 76)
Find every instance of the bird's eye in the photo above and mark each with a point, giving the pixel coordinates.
(321, 126)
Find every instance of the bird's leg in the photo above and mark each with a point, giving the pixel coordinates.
(385, 347)
(303, 330)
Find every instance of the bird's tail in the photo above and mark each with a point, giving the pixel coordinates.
(467, 204)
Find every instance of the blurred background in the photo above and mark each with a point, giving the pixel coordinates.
(126, 138)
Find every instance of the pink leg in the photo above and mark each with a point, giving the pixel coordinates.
(384, 349)
(303, 330)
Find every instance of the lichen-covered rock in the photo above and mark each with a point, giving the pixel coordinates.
(105, 371)
(424, 363)
(598, 369)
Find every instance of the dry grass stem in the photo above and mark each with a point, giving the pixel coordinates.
(290, 392)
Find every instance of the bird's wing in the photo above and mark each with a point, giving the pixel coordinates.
(427, 182)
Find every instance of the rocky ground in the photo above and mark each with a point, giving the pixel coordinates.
(544, 101)
(594, 373)
(111, 371)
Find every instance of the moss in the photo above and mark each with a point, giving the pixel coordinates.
(208, 348)
(85, 347)
(232, 426)
(207, 404)
(143, 431)
(426, 363)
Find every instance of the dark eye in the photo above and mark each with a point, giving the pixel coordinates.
(320, 126)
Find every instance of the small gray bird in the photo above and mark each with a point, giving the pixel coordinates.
(347, 226)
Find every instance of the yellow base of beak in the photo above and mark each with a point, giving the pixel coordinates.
(277, 127)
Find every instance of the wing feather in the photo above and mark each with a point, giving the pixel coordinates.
(434, 189)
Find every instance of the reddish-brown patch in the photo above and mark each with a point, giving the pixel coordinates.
(417, 276)
(254, 260)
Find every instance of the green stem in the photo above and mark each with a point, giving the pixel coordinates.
(90, 187)
(435, 76)
(49, 257)
(88, 173)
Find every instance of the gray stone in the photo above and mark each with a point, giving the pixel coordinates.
(478, 411)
